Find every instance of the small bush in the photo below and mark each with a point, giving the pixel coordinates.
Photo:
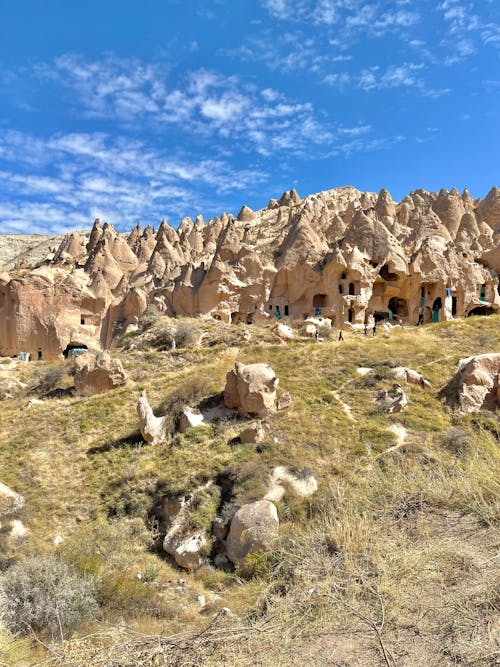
(185, 334)
(458, 442)
(47, 379)
(46, 595)
(324, 331)
(150, 317)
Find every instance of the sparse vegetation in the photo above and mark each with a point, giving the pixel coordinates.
(408, 534)
(48, 378)
(43, 594)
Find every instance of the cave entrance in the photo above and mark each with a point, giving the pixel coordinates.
(387, 275)
(74, 350)
(350, 315)
(320, 300)
(398, 306)
(481, 310)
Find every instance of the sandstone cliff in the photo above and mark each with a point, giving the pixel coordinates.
(342, 253)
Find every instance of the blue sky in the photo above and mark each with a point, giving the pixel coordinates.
(128, 110)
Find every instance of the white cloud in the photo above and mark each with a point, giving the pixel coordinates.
(124, 179)
(204, 104)
(393, 77)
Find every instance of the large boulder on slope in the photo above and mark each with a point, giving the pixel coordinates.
(476, 384)
(254, 527)
(98, 373)
(251, 389)
(153, 429)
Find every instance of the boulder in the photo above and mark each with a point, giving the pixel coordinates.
(97, 373)
(411, 376)
(394, 402)
(400, 401)
(284, 401)
(186, 547)
(283, 331)
(254, 527)
(153, 429)
(476, 384)
(251, 389)
(187, 553)
(189, 419)
(252, 433)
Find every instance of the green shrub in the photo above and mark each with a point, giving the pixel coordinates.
(44, 594)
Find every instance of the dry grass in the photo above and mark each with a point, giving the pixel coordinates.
(410, 533)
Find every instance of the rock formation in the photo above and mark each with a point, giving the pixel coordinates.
(411, 376)
(476, 384)
(97, 373)
(254, 527)
(153, 429)
(393, 402)
(343, 254)
(251, 389)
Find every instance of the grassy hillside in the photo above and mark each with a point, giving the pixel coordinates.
(391, 562)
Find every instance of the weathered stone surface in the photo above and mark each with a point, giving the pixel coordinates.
(284, 401)
(185, 546)
(97, 373)
(476, 384)
(153, 429)
(188, 552)
(396, 402)
(189, 419)
(252, 433)
(411, 376)
(283, 331)
(251, 389)
(254, 527)
(347, 254)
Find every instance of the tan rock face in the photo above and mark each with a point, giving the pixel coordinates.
(98, 373)
(341, 254)
(251, 389)
(153, 429)
(254, 527)
(411, 376)
(476, 384)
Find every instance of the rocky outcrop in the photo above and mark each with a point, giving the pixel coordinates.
(189, 419)
(153, 429)
(254, 527)
(343, 254)
(251, 389)
(253, 433)
(186, 546)
(476, 385)
(283, 332)
(393, 402)
(411, 376)
(97, 373)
